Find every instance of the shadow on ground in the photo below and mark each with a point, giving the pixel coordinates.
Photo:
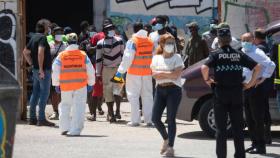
(199, 135)
(88, 136)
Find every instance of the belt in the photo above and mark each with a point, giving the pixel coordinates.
(167, 84)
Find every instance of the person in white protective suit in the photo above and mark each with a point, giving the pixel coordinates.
(72, 76)
(136, 62)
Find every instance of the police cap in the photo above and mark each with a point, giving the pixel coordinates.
(224, 32)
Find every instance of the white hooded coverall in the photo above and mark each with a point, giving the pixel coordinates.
(75, 99)
(137, 86)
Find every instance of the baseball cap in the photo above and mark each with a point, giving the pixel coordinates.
(192, 24)
(72, 37)
(223, 25)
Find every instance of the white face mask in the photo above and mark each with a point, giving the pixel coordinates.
(169, 48)
(111, 33)
(58, 38)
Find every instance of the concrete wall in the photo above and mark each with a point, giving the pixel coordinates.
(8, 45)
(181, 12)
(246, 15)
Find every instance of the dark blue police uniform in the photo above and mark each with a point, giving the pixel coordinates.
(228, 89)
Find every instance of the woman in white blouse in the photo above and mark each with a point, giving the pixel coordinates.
(167, 66)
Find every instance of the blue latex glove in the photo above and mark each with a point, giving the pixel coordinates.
(57, 89)
(118, 77)
(89, 88)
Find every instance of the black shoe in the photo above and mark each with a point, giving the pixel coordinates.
(258, 151)
(250, 149)
(64, 133)
(32, 122)
(118, 115)
(91, 118)
(101, 112)
(45, 123)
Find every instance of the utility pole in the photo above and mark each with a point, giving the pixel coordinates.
(23, 76)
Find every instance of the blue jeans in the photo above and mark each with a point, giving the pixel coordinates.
(278, 100)
(169, 97)
(40, 94)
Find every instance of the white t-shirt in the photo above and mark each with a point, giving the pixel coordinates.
(154, 36)
(159, 63)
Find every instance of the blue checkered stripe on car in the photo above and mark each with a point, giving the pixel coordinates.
(229, 68)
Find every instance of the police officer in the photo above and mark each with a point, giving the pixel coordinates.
(227, 86)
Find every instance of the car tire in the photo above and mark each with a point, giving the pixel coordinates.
(207, 121)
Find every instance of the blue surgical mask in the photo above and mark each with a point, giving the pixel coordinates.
(248, 46)
(158, 27)
(91, 33)
(111, 33)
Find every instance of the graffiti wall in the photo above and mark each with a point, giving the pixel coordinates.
(246, 15)
(180, 12)
(8, 45)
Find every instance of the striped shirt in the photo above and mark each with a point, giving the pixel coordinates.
(109, 53)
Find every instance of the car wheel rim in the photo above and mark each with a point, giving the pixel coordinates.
(211, 120)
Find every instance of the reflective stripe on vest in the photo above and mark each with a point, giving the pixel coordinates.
(277, 81)
(73, 73)
(143, 57)
(74, 70)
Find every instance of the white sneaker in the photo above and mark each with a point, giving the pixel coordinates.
(169, 152)
(131, 124)
(164, 147)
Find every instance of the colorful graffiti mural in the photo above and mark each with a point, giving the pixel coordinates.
(125, 12)
(8, 46)
(3, 133)
(247, 15)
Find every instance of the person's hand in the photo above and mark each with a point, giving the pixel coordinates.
(210, 81)
(248, 85)
(57, 89)
(89, 88)
(41, 74)
(118, 78)
(259, 81)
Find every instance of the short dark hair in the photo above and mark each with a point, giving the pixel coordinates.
(137, 26)
(84, 25)
(161, 18)
(260, 33)
(41, 24)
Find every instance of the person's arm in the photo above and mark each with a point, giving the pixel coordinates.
(41, 55)
(173, 74)
(205, 75)
(210, 62)
(249, 63)
(128, 57)
(168, 74)
(99, 59)
(27, 56)
(256, 70)
(56, 67)
(90, 72)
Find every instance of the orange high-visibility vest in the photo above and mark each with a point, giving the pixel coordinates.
(73, 73)
(143, 57)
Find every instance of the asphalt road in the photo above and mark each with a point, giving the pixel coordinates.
(101, 139)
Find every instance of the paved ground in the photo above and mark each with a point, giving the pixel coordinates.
(103, 140)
